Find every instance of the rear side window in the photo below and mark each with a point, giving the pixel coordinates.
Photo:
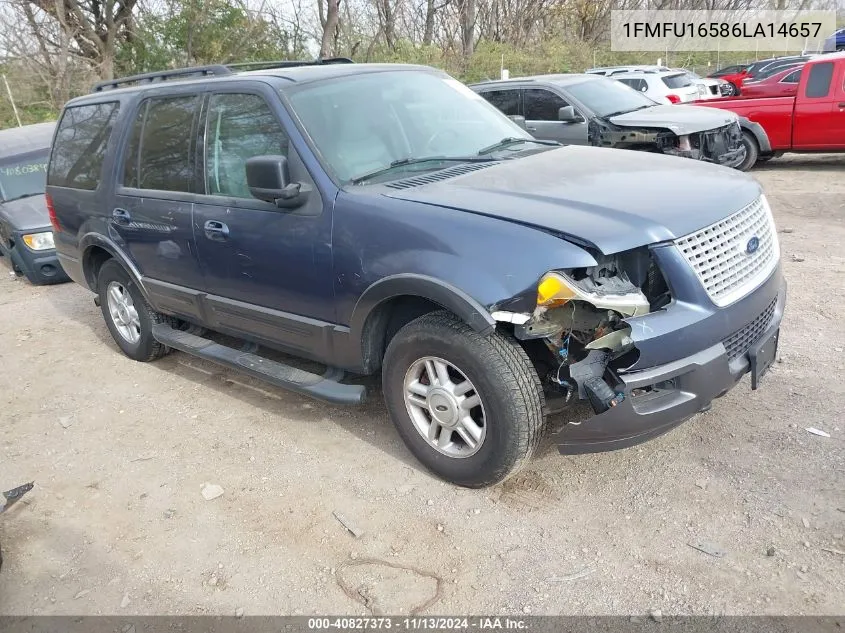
(159, 154)
(80, 145)
(506, 100)
(676, 81)
(818, 84)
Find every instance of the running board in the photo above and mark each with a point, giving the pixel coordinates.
(325, 387)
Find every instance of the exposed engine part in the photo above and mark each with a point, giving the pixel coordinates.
(722, 145)
(600, 395)
(618, 340)
(588, 375)
(577, 316)
(592, 366)
(580, 321)
(603, 133)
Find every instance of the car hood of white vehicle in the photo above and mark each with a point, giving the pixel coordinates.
(680, 119)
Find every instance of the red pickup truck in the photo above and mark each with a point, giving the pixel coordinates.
(811, 121)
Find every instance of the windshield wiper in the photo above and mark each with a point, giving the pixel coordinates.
(402, 162)
(642, 107)
(513, 140)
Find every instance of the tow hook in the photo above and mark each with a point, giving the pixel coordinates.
(588, 374)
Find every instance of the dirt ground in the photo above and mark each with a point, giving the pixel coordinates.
(119, 452)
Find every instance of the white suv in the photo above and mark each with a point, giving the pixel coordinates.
(666, 86)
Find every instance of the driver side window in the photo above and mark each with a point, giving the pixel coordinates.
(239, 127)
(542, 105)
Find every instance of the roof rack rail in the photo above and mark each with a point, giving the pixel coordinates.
(215, 70)
(162, 75)
(320, 61)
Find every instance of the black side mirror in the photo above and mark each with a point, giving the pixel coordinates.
(518, 119)
(567, 115)
(268, 179)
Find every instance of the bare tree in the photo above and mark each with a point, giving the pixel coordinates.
(97, 27)
(329, 19)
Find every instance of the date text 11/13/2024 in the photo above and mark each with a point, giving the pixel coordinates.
(659, 30)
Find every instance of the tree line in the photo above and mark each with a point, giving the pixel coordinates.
(52, 50)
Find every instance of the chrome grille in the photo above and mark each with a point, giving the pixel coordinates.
(719, 253)
(741, 341)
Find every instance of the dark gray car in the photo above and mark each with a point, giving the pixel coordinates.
(26, 237)
(593, 110)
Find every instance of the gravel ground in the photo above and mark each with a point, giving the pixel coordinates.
(120, 451)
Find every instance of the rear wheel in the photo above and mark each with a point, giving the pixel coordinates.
(752, 151)
(734, 91)
(128, 316)
(469, 407)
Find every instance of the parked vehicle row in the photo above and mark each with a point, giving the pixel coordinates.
(813, 120)
(601, 114)
(381, 217)
(737, 75)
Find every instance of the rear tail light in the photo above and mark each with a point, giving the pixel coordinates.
(51, 211)
(673, 98)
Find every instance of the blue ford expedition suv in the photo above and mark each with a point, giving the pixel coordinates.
(387, 218)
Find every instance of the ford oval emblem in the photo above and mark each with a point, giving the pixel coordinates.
(753, 245)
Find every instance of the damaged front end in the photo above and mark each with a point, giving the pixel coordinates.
(578, 335)
(721, 145)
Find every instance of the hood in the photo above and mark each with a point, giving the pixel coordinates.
(679, 119)
(26, 214)
(613, 199)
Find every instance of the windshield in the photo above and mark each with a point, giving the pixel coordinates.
(364, 123)
(605, 97)
(24, 175)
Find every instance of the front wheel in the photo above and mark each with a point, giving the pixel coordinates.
(752, 151)
(469, 407)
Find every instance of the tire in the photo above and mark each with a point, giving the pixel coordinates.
(501, 376)
(114, 278)
(752, 151)
(734, 89)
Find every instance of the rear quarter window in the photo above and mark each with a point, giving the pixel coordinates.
(818, 83)
(676, 81)
(80, 145)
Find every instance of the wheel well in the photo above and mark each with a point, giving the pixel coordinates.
(94, 259)
(385, 320)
